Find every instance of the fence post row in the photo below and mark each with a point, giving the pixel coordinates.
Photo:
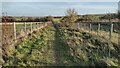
(84, 26)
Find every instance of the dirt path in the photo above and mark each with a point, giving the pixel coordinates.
(57, 52)
(61, 49)
(57, 47)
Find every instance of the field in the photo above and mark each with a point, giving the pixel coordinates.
(67, 34)
(59, 45)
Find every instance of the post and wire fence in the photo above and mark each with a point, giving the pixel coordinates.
(19, 29)
(27, 27)
(108, 30)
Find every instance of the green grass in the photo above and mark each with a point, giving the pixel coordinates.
(56, 45)
(46, 48)
(90, 49)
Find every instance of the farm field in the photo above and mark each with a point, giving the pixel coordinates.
(59, 45)
(48, 34)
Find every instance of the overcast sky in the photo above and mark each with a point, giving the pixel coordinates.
(57, 8)
(59, 0)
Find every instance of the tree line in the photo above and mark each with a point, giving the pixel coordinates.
(26, 19)
(71, 16)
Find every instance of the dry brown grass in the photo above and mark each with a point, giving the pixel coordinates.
(104, 34)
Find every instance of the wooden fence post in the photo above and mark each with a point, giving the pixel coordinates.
(14, 30)
(111, 30)
(85, 26)
(37, 25)
(31, 26)
(98, 28)
(82, 26)
(42, 25)
(90, 27)
(25, 26)
(46, 23)
(78, 25)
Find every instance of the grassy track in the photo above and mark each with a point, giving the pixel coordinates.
(56, 46)
(46, 49)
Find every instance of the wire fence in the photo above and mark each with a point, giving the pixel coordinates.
(27, 27)
(107, 30)
(11, 32)
(16, 29)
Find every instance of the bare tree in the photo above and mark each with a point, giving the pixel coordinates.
(72, 15)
